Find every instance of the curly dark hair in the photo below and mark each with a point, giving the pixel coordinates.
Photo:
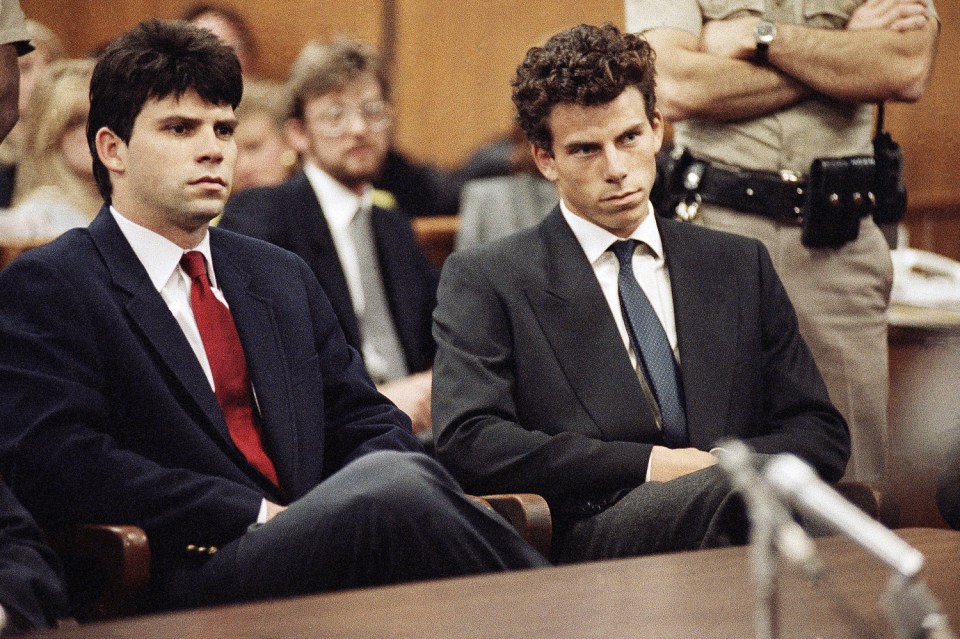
(586, 65)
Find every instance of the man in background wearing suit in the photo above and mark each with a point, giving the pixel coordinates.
(605, 387)
(366, 257)
(196, 383)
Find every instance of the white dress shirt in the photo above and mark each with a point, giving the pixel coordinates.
(339, 206)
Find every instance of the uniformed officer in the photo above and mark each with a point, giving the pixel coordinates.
(759, 90)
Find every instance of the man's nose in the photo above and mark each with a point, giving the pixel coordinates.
(211, 146)
(615, 164)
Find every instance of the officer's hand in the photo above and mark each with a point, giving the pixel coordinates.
(896, 15)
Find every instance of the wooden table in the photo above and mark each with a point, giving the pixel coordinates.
(688, 595)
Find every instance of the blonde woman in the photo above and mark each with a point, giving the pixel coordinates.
(264, 157)
(55, 189)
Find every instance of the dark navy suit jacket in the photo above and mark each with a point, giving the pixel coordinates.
(534, 391)
(106, 415)
(289, 216)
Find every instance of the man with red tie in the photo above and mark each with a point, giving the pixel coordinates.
(196, 383)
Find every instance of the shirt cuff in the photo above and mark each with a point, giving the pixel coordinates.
(262, 515)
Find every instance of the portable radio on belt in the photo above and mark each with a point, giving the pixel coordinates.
(890, 191)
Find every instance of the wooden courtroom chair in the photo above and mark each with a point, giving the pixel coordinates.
(871, 500)
(108, 567)
(436, 236)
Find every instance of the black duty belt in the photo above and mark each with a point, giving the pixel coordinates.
(780, 196)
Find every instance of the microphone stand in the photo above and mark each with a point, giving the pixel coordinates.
(913, 610)
(911, 607)
(765, 566)
(773, 534)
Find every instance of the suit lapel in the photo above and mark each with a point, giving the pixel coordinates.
(576, 320)
(705, 308)
(254, 315)
(150, 314)
(325, 263)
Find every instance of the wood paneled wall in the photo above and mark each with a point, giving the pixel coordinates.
(281, 27)
(454, 60)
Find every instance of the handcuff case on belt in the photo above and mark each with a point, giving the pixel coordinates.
(839, 193)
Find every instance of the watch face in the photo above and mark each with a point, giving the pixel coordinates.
(765, 31)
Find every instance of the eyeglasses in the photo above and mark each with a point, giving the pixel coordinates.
(336, 120)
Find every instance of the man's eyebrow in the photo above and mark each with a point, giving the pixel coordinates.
(179, 119)
(576, 144)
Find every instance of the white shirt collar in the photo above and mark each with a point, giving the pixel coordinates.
(159, 256)
(596, 240)
(338, 203)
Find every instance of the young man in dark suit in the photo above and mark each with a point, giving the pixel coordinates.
(599, 357)
(196, 382)
(363, 252)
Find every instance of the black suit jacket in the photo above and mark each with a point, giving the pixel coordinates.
(106, 415)
(534, 391)
(289, 216)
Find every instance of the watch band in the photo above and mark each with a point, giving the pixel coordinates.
(764, 32)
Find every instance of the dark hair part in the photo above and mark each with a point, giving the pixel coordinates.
(323, 67)
(585, 65)
(154, 60)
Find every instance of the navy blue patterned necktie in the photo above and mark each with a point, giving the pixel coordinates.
(652, 346)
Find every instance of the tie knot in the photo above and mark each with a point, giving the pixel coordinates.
(623, 249)
(193, 264)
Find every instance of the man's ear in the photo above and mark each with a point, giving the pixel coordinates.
(297, 136)
(111, 150)
(545, 162)
(658, 126)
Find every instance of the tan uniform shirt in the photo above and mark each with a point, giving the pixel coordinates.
(787, 139)
(13, 29)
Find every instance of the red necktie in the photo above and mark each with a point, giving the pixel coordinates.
(225, 354)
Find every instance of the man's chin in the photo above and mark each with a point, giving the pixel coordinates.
(206, 214)
(356, 180)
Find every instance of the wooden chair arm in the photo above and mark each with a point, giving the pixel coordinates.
(870, 499)
(110, 566)
(529, 514)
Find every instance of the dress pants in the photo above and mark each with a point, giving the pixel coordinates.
(388, 517)
(695, 511)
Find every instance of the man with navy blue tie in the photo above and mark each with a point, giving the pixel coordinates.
(196, 382)
(599, 357)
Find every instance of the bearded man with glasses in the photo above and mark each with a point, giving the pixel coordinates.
(366, 257)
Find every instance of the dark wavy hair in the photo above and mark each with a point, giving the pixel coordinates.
(154, 60)
(585, 65)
